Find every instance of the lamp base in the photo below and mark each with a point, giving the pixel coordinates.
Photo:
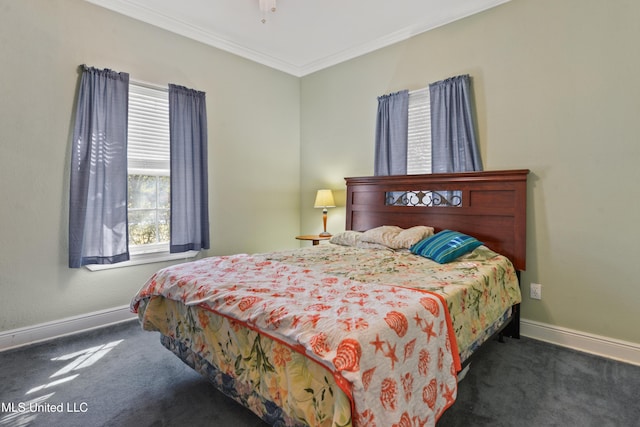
(324, 234)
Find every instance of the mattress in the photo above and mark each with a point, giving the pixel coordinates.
(301, 376)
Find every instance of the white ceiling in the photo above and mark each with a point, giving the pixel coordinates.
(302, 36)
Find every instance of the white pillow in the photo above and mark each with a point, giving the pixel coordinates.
(346, 238)
(395, 237)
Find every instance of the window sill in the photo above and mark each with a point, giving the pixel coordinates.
(140, 259)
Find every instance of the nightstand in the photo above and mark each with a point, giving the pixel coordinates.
(314, 238)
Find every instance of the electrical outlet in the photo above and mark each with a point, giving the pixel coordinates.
(536, 291)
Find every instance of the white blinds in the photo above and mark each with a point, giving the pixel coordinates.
(148, 128)
(419, 136)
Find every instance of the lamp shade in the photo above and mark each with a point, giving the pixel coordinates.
(324, 199)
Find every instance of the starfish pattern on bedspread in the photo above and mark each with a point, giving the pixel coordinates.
(390, 348)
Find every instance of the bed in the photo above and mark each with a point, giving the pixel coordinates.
(362, 330)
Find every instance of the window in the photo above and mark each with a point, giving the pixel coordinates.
(419, 135)
(148, 169)
(100, 181)
(419, 157)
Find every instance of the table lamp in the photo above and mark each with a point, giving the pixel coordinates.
(324, 200)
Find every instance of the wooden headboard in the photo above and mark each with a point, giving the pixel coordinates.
(490, 206)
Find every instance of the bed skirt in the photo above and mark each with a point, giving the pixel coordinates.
(231, 387)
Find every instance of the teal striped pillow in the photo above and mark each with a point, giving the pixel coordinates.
(445, 246)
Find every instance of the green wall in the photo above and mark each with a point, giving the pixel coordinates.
(555, 89)
(254, 149)
(556, 92)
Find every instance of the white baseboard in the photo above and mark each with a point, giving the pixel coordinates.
(70, 325)
(611, 348)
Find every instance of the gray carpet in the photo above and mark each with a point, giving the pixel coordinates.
(137, 382)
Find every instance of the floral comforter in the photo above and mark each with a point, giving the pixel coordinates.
(353, 336)
(478, 287)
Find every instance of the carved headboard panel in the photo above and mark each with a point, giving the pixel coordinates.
(490, 206)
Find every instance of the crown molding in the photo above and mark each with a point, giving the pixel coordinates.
(153, 17)
(169, 23)
(390, 39)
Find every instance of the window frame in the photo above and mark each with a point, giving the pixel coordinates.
(162, 247)
(152, 253)
(149, 142)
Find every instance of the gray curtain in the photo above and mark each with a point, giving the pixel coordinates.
(453, 137)
(189, 182)
(392, 125)
(98, 188)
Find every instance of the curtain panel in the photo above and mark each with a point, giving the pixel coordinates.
(98, 185)
(453, 138)
(189, 177)
(392, 124)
